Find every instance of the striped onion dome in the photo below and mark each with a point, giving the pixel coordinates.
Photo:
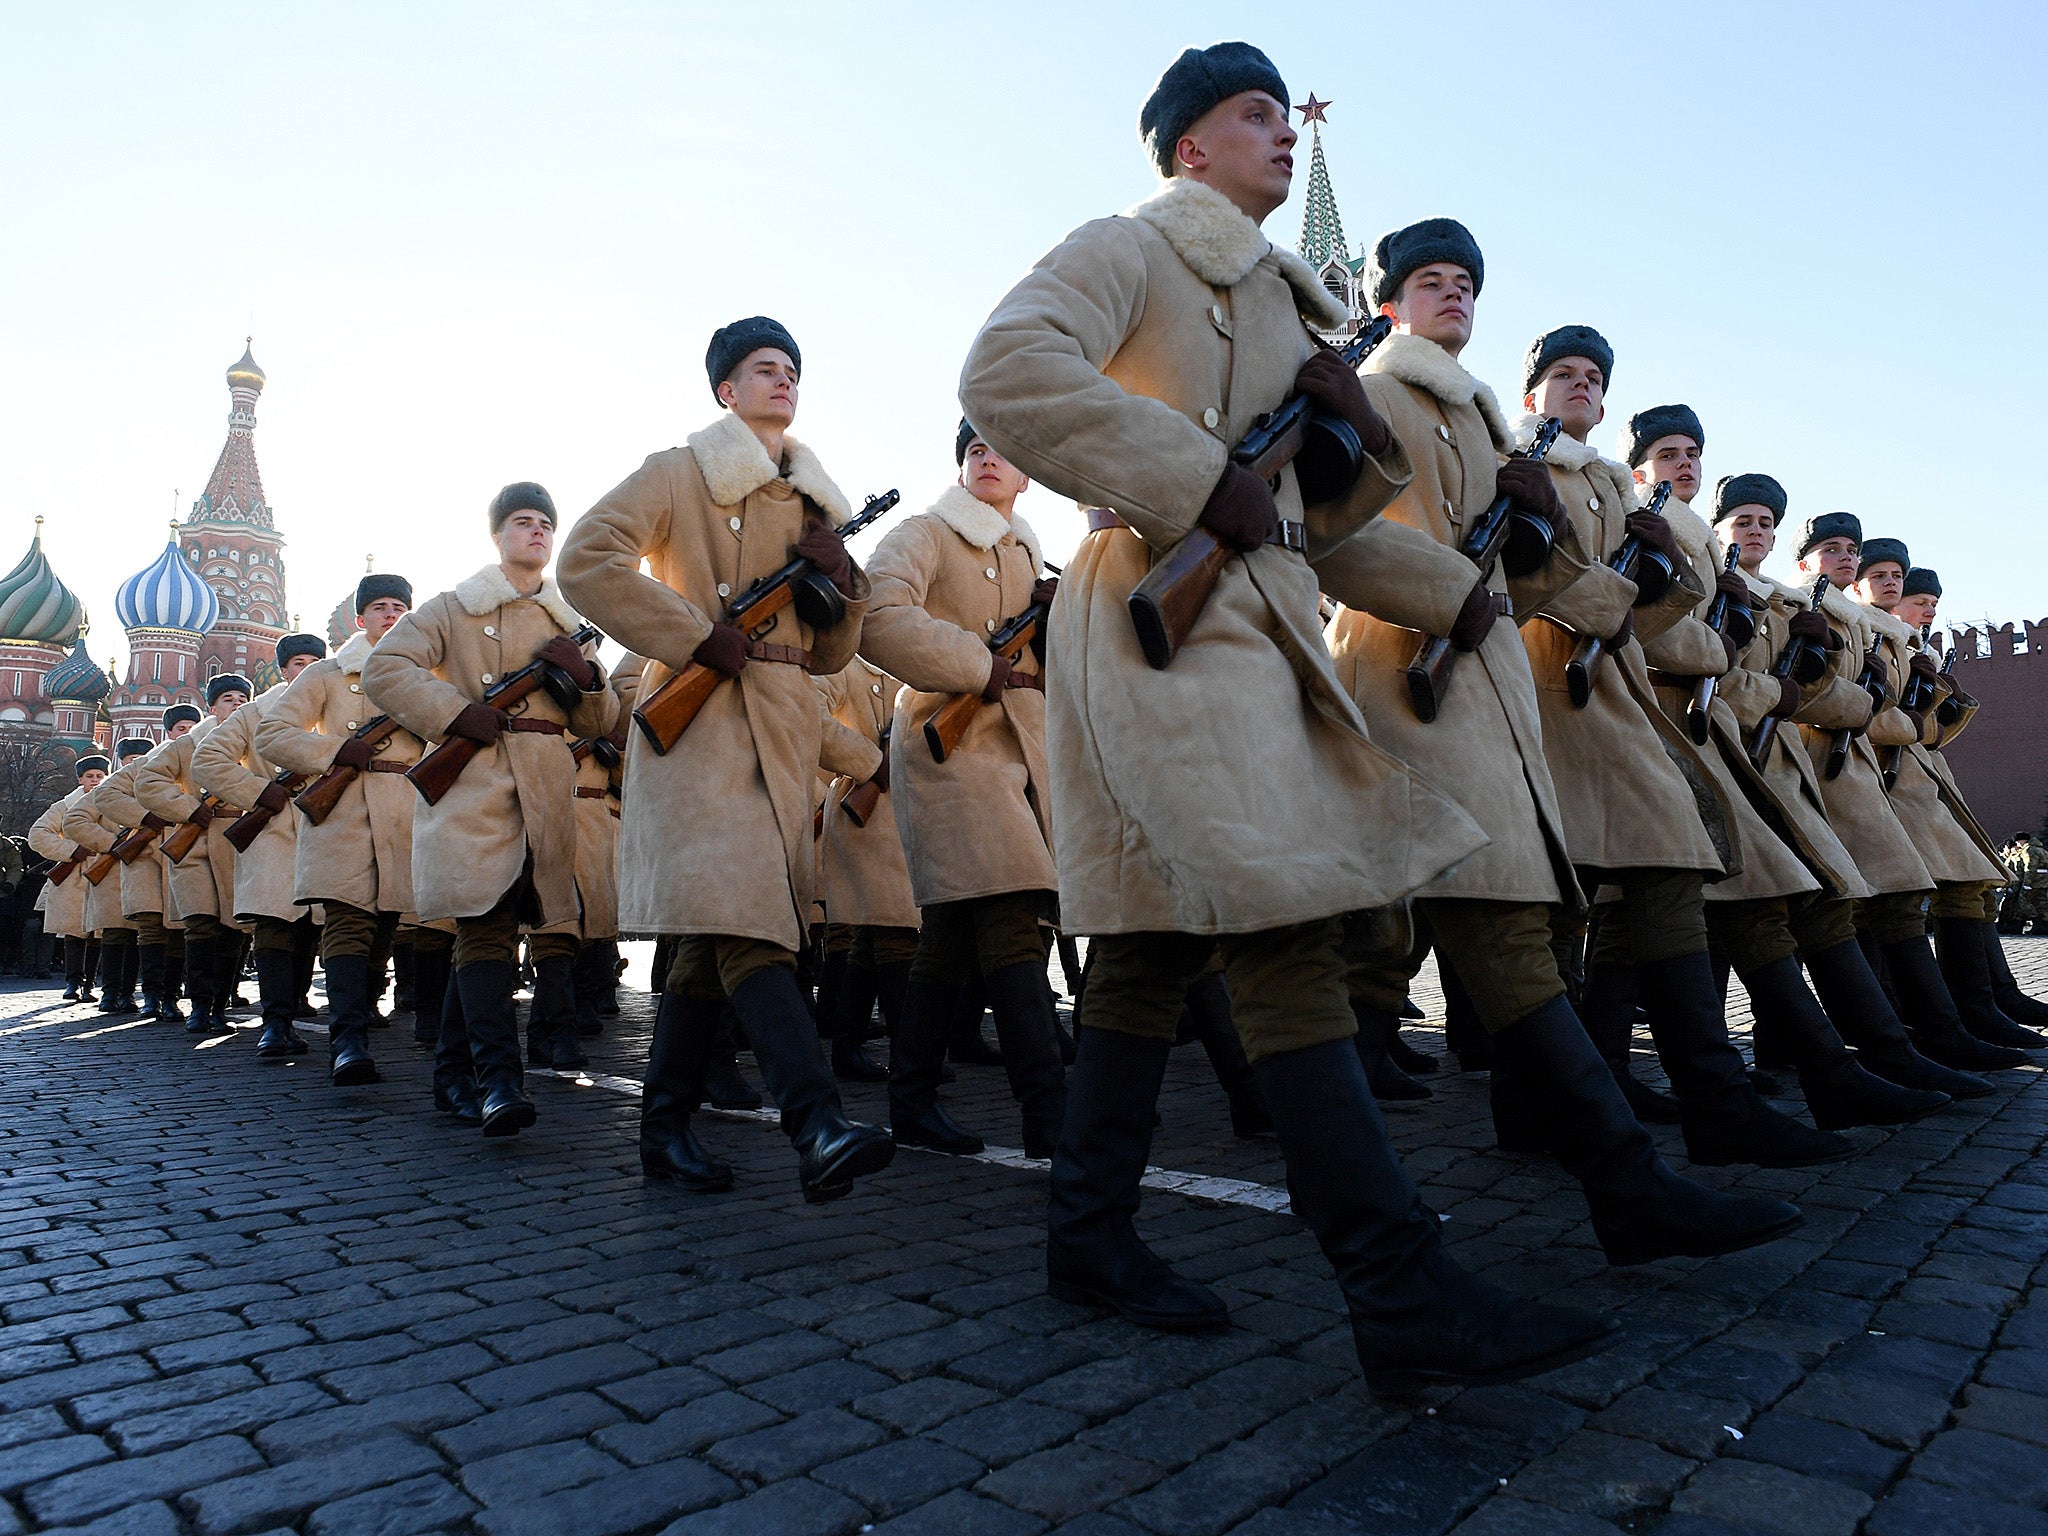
(77, 676)
(168, 595)
(34, 604)
(341, 623)
(264, 676)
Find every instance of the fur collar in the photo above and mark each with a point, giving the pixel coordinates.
(1837, 604)
(356, 650)
(980, 524)
(1890, 625)
(1221, 246)
(735, 465)
(488, 590)
(1418, 361)
(1566, 453)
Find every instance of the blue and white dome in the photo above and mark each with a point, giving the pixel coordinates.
(168, 595)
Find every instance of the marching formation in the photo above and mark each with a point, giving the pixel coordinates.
(1348, 668)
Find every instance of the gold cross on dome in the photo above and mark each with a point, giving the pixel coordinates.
(1312, 110)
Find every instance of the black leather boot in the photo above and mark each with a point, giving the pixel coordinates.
(1931, 1014)
(1207, 1019)
(1725, 1122)
(429, 992)
(120, 964)
(1967, 969)
(174, 983)
(554, 1005)
(2029, 1012)
(1389, 1084)
(1093, 1254)
(1641, 1209)
(274, 987)
(586, 980)
(725, 1085)
(1862, 1014)
(227, 971)
(608, 980)
(492, 1021)
(1839, 1093)
(1464, 1035)
(455, 1089)
(846, 1026)
(404, 978)
(199, 962)
(1608, 1002)
(149, 970)
(1416, 1316)
(74, 971)
(1021, 1000)
(965, 1043)
(685, 1033)
(348, 1021)
(917, 1052)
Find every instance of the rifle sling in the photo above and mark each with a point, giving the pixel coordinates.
(522, 723)
(789, 655)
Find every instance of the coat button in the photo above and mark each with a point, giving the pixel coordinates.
(487, 677)
(1210, 418)
(724, 589)
(1592, 503)
(355, 687)
(1216, 313)
(876, 687)
(990, 626)
(1449, 510)
(489, 630)
(1443, 432)
(733, 523)
(350, 726)
(990, 573)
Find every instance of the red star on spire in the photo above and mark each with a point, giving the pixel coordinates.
(1312, 110)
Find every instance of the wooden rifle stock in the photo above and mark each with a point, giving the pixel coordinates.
(666, 713)
(1584, 666)
(1781, 667)
(101, 867)
(250, 824)
(1429, 674)
(948, 723)
(134, 844)
(435, 774)
(1166, 604)
(1699, 708)
(186, 833)
(860, 801)
(61, 872)
(319, 798)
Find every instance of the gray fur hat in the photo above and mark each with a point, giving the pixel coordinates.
(1829, 525)
(1921, 582)
(227, 682)
(293, 646)
(1877, 551)
(381, 584)
(1645, 428)
(89, 762)
(1195, 82)
(1401, 251)
(961, 439)
(520, 496)
(136, 746)
(1567, 341)
(1752, 490)
(177, 712)
(730, 345)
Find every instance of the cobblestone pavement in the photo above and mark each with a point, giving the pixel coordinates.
(233, 1299)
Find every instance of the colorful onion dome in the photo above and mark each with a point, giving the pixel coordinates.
(245, 374)
(168, 595)
(342, 622)
(263, 677)
(34, 604)
(77, 676)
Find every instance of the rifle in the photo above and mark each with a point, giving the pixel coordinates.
(319, 798)
(435, 774)
(1722, 619)
(188, 832)
(948, 723)
(1803, 663)
(59, 873)
(1651, 573)
(860, 801)
(1916, 696)
(1871, 682)
(1950, 710)
(667, 712)
(101, 867)
(1327, 456)
(132, 845)
(246, 826)
(1499, 532)
(608, 755)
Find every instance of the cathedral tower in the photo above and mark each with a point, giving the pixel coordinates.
(232, 541)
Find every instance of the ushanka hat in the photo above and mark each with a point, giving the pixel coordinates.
(1921, 582)
(87, 764)
(1829, 525)
(227, 682)
(519, 496)
(1195, 82)
(961, 439)
(135, 746)
(1402, 251)
(381, 584)
(1566, 341)
(179, 712)
(1646, 428)
(1877, 551)
(730, 345)
(1732, 492)
(292, 647)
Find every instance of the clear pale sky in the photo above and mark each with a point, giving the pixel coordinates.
(478, 243)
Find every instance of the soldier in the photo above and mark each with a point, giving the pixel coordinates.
(733, 504)
(357, 862)
(498, 851)
(231, 767)
(1231, 801)
(1894, 919)
(202, 883)
(2022, 901)
(63, 902)
(976, 829)
(599, 786)
(145, 881)
(92, 827)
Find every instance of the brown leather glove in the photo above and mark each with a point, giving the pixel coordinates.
(357, 753)
(477, 722)
(825, 550)
(1626, 633)
(1528, 484)
(999, 670)
(273, 799)
(1788, 699)
(1813, 628)
(1326, 381)
(1728, 645)
(562, 652)
(1240, 509)
(1475, 619)
(202, 815)
(1731, 586)
(1655, 533)
(723, 650)
(1044, 590)
(1923, 664)
(1919, 719)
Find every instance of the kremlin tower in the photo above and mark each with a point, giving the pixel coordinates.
(231, 540)
(1322, 230)
(39, 619)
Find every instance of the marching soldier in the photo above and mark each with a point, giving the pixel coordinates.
(63, 902)
(599, 762)
(1231, 801)
(145, 880)
(976, 829)
(92, 827)
(357, 863)
(735, 503)
(230, 766)
(498, 852)
(202, 883)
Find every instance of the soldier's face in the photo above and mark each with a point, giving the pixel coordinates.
(1880, 585)
(1677, 459)
(763, 388)
(1574, 391)
(1833, 558)
(1917, 610)
(178, 730)
(1754, 531)
(1436, 303)
(1243, 147)
(90, 779)
(295, 666)
(526, 539)
(377, 619)
(227, 704)
(989, 477)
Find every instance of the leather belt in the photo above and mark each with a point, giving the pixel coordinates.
(587, 792)
(1285, 535)
(1504, 605)
(614, 810)
(1660, 679)
(378, 765)
(790, 655)
(1026, 680)
(537, 727)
